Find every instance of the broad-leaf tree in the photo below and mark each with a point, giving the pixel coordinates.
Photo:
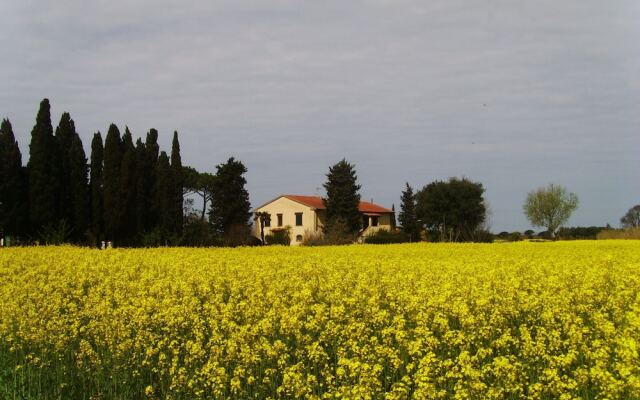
(550, 207)
(632, 218)
(454, 208)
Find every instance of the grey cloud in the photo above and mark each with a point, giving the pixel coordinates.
(514, 94)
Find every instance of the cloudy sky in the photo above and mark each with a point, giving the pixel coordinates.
(509, 93)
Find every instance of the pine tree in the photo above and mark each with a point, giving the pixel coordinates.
(407, 218)
(127, 215)
(177, 185)
(111, 183)
(43, 172)
(97, 209)
(13, 185)
(230, 208)
(343, 199)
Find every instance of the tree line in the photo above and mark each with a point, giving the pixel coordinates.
(129, 193)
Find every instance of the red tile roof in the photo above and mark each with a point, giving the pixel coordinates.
(311, 201)
(317, 203)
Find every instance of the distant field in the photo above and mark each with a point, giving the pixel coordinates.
(423, 321)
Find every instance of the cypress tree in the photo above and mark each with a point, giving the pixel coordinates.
(393, 217)
(128, 190)
(78, 186)
(72, 178)
(407, 218)
(162, 200)
(111, 183)
(13, 185)
(152, 149)
(97, 209)
(65, 132)
(343, 199)
(143, 195)
(230, 207)
(43, 172)
(177, 183)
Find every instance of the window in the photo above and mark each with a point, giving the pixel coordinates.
(298, 238)
(279, 219)
(298, 219)
(374, 221)
(267, 220)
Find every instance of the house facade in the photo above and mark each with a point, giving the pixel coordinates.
(305, 215)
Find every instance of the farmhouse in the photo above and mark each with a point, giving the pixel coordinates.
(306, 215)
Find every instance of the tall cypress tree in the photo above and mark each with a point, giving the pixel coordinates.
(43, 172)
(97, 209)
(72, 178)
(143, 192)
(162, 201)
(65, 132)
(78, 187)
(13, 185)
(407, 218)
(230, 207)
(111, 185)
(177, 184)
(152, 150)
(343, 199)
(128, 190)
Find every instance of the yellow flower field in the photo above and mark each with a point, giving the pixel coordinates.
(423, 321)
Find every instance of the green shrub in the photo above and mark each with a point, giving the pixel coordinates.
(383, 236)
(278, 237)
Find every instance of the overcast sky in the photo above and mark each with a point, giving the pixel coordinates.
(512, 94)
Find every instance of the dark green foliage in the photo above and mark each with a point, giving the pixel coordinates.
(342, 198)
(111, 184)
(127, 192)
(407, 218)
(393, 216)
(146, 213)
(482, 236)
(13, 185)
(177, 187)
(230, 207)
(162, 201)
(72, 179)
(197, 233)
(580, 232)
(96, 182)
(455, 208)
(78, 185)
(278, 237)
(43, 172)
(65, 132)
(383, 236)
